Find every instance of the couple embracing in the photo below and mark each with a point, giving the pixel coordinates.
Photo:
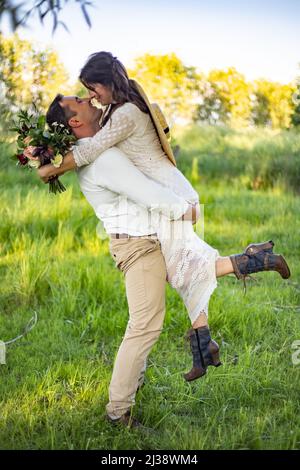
(127, 172)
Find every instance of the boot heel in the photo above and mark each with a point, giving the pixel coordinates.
(214, 351)
(283, 270)
(216, 360)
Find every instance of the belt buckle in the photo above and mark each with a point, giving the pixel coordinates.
(122, 235)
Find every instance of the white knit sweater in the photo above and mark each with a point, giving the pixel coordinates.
(132, 131)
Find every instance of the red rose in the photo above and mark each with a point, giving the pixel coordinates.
(22, 159)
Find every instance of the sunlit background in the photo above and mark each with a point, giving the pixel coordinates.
(225, 74)
(220, 62)
(258, 37)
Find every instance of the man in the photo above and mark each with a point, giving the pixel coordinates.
(107, 183)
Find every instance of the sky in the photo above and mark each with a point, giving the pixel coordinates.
(260, 38)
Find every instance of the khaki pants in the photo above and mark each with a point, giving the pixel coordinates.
(144, 268)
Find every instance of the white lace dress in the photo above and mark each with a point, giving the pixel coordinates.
(190, 261)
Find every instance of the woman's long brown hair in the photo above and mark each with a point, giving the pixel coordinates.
(104, 68)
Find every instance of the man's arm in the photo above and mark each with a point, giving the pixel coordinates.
(121, 127)
(114, 171)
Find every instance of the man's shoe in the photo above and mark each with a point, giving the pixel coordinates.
(125, 420)
(205, 352)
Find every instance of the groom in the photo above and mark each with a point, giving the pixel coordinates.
(106, 184)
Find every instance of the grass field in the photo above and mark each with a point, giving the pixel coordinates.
(54, 387)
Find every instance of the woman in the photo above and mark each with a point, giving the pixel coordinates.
(192, 265)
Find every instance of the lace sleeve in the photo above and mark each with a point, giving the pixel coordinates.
(118, 128)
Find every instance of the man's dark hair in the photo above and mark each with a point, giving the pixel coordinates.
(59, 114)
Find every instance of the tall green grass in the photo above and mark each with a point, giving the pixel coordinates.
(54, 387)
(249, 158)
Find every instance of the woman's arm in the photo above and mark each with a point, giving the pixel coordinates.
(120, 126)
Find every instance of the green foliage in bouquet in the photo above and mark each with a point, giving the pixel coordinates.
(38, 144)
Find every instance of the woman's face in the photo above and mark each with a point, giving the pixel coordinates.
(102, 93)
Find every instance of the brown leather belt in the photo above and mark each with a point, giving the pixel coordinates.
(125, 235)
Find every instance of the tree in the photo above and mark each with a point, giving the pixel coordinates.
(20, 13)
(296, 100)
(210, 109)
(225, 98)
(261, 109)
(273, 104)
(170, 83)
(28, 75)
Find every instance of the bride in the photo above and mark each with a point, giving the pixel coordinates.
(192, 265)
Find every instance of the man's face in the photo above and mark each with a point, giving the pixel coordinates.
(84, 113)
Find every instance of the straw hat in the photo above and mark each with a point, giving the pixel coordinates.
(160, 124)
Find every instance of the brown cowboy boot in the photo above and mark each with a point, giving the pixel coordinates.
(259, 257)
(205, 352)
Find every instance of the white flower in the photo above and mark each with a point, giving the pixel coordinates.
(34, 164)
(57, 161)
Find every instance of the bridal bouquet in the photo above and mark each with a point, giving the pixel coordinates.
(39, 145)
